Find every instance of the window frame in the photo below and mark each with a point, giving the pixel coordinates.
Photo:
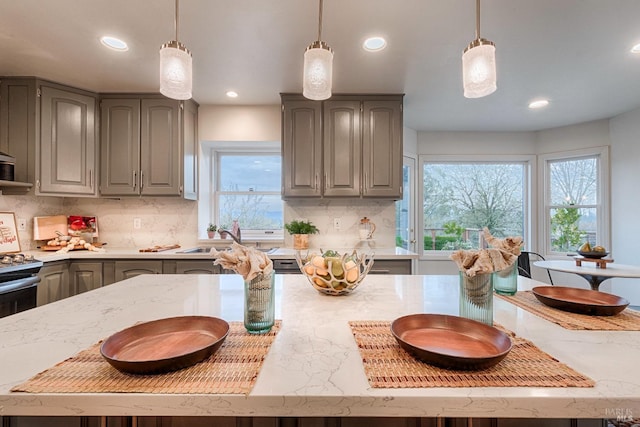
(603, 198)
(529, 182)
(213, 151)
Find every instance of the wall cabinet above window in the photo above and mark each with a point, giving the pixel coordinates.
(148, 146)
(346, 146)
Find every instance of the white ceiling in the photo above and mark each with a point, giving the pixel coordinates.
(575, 52)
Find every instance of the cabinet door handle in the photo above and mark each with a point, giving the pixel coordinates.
(141, 180)
(135, 180)
(91, 179)
(326, 182)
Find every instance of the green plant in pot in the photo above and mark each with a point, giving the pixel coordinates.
(223, 231)
(211, 230)
(300, 230)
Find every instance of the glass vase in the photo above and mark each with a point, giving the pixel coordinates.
(476, 297)
(505, 282)
(259, 306)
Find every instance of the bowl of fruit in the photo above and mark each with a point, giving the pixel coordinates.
(589, 251)
(332, 273)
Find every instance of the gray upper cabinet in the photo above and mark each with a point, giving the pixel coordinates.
(190, 150)
(301, 148)
(346, 146)
(51, 130)
(67, 149)
(382, 148)
(342, 137)
(143, 139)
(120, 147)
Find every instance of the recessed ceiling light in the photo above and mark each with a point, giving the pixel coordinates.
(232, 94)
(636, 48)
(114, 43)
(373, 44)
(539, 103)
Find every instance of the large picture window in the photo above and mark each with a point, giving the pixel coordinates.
(462, 197)
(574, 204)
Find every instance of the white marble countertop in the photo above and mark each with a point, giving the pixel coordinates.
(127, 253)
(313, 367)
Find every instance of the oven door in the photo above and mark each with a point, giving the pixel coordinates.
(18, 295)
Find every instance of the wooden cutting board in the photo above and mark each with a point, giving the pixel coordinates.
(45, 227)
(75, 248)
(160, 248)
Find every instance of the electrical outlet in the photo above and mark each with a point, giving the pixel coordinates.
(337, 223)
(22, 224)
(137, 223)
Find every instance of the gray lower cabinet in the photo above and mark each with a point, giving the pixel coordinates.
(391, 266)
(127, 269)
(85, 276)
(148, 146)
(191, 266)
(54, 282)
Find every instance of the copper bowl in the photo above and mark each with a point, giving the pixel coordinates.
(450, 341)
(582, 301)
(164, 345)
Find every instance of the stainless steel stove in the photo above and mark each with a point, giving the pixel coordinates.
(18, 283)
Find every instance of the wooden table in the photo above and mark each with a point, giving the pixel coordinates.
(594, 274)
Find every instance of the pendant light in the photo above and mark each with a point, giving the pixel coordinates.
(479, 65)
(176, 74)
(318, 64)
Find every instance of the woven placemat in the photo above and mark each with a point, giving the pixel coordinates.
(628, 320)
(233, 369)
(386, 365)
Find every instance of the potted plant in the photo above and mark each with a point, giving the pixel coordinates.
(211, 230)
(223, 231)
(300, 231)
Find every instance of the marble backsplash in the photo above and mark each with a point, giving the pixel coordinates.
(322, 212)
(171, 220)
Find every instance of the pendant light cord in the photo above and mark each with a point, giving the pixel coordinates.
(320, 22)
(477, 19)
(176, 21)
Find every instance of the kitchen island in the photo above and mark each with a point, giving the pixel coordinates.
(313, 368)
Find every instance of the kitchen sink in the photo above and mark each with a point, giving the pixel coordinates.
(207, 249)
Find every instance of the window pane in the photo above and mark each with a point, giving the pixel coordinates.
(573, 181)
(253, 211)
(573, 196)
(250, 172)
(571, 227)
(462, 198)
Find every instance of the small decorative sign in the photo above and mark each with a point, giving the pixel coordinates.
(8, 235)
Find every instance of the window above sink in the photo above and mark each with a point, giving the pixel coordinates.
(242, 180)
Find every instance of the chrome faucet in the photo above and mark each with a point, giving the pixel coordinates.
(236, 238)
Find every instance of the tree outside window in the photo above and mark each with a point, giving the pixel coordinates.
(461, 198)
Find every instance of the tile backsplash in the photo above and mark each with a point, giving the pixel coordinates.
(172, 220)
(322, 213)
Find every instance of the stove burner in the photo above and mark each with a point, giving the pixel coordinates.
(18, 265)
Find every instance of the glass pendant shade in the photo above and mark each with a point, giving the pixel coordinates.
(176, 72)
(479, 69)
(318, 70)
